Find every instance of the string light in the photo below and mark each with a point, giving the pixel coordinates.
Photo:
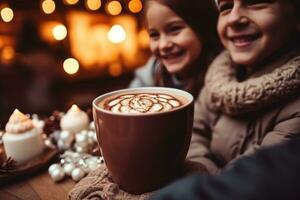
(59, 32)
(7, 14)
(114, 8)
(48, 6)
(116, 34)
(71, 66)
(135, 6)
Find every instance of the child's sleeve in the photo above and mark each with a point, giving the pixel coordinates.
(143, 76)
(287, 125)
(199, 150)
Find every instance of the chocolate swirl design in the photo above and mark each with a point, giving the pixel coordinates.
(142, 103)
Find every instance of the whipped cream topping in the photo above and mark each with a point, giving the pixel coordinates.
(142, 103)
(74, 110)
(74, 120)
(18, 123)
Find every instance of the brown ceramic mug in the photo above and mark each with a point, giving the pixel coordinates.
(144, 151)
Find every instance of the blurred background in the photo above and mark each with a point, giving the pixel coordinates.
(55, 53)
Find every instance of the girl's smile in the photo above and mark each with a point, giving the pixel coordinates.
(173, 57)
(172, 40)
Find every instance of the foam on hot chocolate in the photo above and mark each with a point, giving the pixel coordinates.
(142, 103)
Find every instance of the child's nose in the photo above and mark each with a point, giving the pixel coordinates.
(165, 43)
(237, 15)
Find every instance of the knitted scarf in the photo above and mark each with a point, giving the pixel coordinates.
(226, 94)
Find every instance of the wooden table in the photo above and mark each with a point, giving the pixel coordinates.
(38, 186)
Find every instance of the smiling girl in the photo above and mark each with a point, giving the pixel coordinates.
(183, 41)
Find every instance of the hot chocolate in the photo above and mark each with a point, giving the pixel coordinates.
(134, 127)
(141, 103)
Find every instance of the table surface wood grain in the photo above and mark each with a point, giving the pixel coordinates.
(38, 186)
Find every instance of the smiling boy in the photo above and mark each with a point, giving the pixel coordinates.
(252, 31)
(250, 103)
(251, 95)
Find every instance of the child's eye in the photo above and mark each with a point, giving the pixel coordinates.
(175, 29)
(225, 6)
(153, 35)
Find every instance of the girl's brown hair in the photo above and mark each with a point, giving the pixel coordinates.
(201, 16)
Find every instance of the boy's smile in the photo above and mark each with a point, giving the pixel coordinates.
(254, 30)
(243, 40)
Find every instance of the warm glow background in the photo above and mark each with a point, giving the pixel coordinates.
(99, 35)
(83, 48)
(90, 45)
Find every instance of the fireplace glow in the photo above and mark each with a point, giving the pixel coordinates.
(8, 53)
(90, 45)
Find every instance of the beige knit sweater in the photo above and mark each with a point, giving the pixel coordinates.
(99, 185)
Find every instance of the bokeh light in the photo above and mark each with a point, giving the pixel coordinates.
(7, 14)
(114, 8)
(48, 6)
(59, 32)
(135, 6)
(71, 2)
(8, 53)
(116, 34)
(93, 4)
(71, 66)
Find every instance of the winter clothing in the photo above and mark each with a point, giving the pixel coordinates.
(236, 117)
(155, 74)
(144, 76)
